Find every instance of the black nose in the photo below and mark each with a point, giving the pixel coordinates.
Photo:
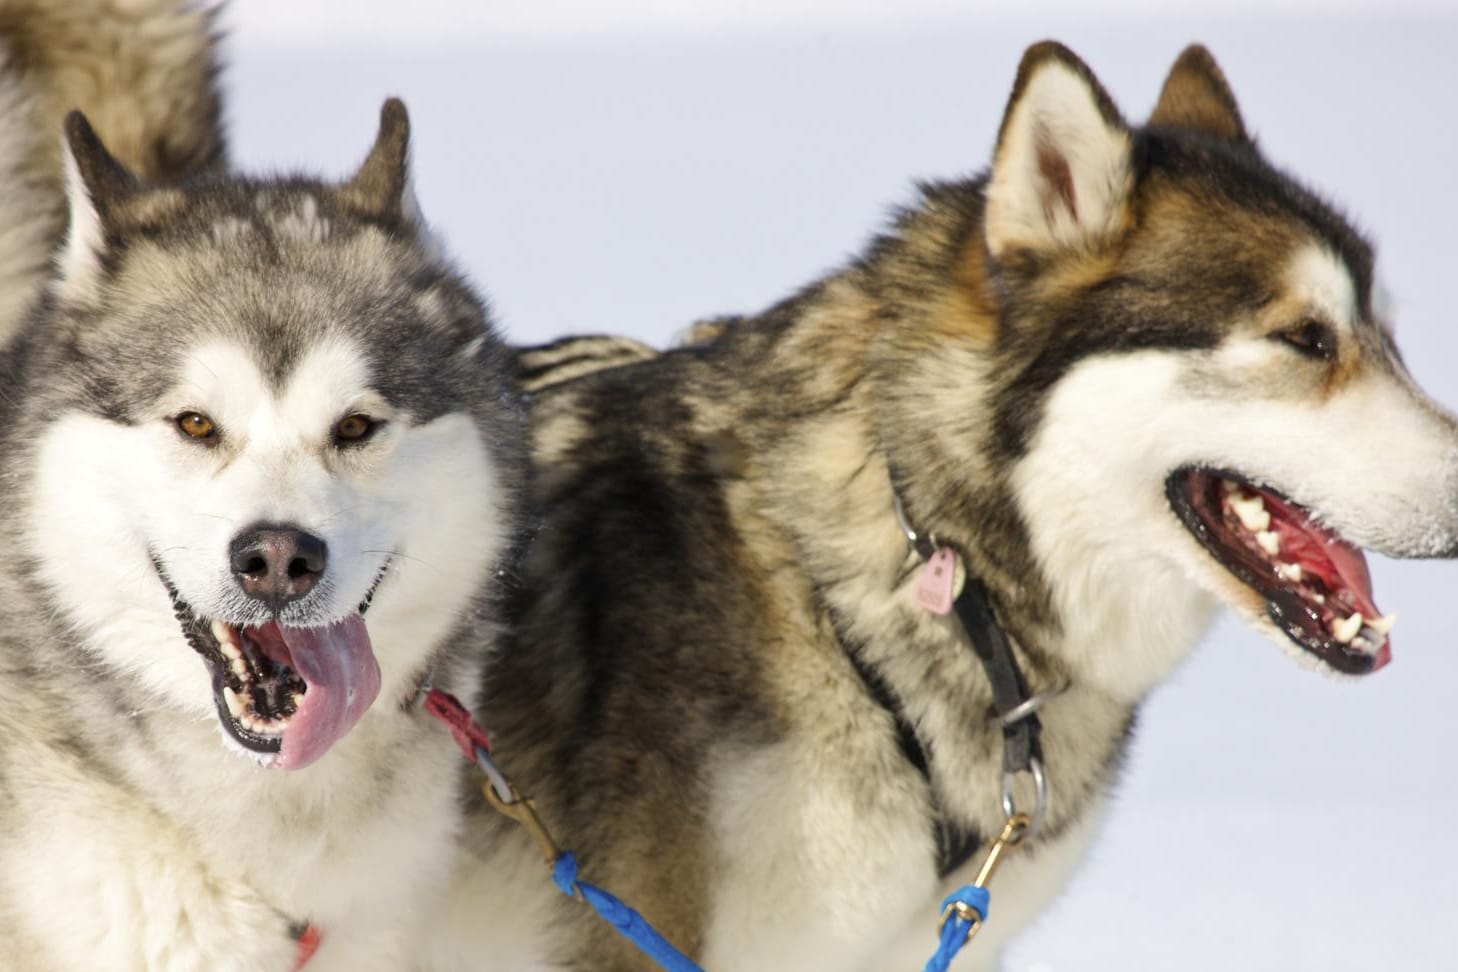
(277, 564)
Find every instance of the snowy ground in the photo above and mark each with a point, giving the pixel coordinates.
(629, 167)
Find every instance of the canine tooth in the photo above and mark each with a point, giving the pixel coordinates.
(1345, 630)
(230, 650)
(1290, 572)
(235, 704)
(298, 700)
(221, 632)
(240, 667)
(1319, 598)
(1252, 512)
(1269, 542)
(1383, 624)
(1362, 644)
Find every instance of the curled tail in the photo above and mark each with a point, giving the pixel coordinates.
(541, 367)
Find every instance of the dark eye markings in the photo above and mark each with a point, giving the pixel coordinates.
(1312, 338)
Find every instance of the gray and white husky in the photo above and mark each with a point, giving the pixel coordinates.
(260, 460)
(1129, 375)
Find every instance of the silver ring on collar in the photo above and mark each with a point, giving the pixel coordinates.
(1028, 706)
(911, 535)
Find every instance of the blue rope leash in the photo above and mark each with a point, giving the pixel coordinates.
(631, 925)
(963, 911)
(504, 798)
(957, 929)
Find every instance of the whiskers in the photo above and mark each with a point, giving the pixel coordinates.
(395, 555)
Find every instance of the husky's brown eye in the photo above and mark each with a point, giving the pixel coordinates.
(1312, 338)
(353, 429)
(196, 425)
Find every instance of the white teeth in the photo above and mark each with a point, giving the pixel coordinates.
(1228, 486)
(298, 700)
(1383, 624)
(1290, 572)
(228, 645)
(235, 704)
(240, 668)
(1362, 644)
(1269, 542)
(1345, 630)
(1252, 512)
(1319, 598)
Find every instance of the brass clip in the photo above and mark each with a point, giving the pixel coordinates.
(964, 912)
(1012, 835)
(524, 811)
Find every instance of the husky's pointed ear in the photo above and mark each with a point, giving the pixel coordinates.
(381, 187)
(1197, 97)
(96, 185)
(1061, 175)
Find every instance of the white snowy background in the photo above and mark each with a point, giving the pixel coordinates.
(630, 166)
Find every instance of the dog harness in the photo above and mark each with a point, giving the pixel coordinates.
(965, 909)
(1016, 710)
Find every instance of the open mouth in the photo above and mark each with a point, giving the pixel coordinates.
(286, 694)
(1316, 585)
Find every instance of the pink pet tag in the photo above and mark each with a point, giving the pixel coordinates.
(938, 580)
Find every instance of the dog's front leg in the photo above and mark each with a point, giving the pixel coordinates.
(95, 881)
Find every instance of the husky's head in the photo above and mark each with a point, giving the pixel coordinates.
(1193, 385)
(259, 410)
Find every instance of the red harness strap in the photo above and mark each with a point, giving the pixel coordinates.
(308, 945)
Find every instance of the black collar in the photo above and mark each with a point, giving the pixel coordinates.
(1016, 710)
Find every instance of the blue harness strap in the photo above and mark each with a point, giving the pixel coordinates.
(631, 925)
(964, 910)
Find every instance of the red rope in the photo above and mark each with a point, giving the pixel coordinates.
(448, 709)
(308, 945)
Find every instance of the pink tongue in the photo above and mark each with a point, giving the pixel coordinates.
(343, 678)
(1351, 564)
(1339, 564)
